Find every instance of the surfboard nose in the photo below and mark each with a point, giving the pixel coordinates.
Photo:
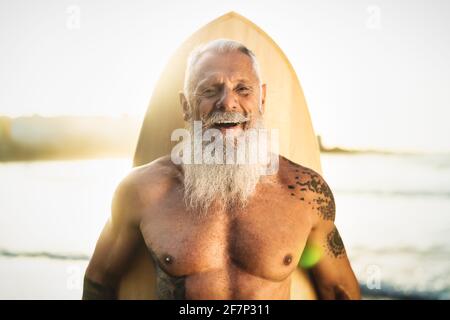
(285, 105)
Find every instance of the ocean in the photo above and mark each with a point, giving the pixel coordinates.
(393, 213)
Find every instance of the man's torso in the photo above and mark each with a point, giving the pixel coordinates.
(245, 254)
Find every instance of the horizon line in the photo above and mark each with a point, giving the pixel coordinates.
(326, 148)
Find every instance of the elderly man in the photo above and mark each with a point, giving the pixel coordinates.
(221, 230)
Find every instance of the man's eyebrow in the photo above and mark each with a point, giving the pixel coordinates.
(243, 80)
(210, 79)
(205, 82)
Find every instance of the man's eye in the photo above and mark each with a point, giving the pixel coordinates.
(243, 90)
(209, 92)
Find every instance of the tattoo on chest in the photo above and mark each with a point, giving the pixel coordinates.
(323, 199)
(335, 245)
(168, 287)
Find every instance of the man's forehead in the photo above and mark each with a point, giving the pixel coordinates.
(235, 65)
(232, 63)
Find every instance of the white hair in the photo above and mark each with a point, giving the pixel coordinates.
(217, 46)
(210, 188)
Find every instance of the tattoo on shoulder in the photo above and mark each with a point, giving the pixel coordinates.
(308, 181)
(324, 200)
(334, 244)
(168, 287)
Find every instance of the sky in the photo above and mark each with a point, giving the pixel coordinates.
(375, 74)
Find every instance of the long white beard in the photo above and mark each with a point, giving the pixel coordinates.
(220, 187)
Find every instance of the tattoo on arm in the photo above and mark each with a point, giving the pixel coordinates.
(334, 244)
(96, 291)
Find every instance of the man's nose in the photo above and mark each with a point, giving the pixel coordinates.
(227, 101)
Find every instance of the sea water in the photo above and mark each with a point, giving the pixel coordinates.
(393, 213)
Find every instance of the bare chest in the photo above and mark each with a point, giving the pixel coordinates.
(265, 240)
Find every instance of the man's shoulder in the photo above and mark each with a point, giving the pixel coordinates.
(307, 184)
(147, 183)
(159, 170)
(291, 172)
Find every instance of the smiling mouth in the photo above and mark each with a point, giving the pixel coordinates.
(228, 125)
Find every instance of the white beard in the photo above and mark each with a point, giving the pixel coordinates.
(212, 188)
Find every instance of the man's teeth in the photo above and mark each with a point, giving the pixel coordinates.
(227, 124)
(230, 122)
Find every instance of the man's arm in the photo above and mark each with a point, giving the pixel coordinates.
(116, 246)
(332, 275)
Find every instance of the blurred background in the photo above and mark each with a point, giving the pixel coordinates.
(76, 77)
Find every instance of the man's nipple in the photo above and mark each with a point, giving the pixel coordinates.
(168, 259)
(287, 259)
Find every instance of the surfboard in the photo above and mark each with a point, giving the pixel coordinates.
(286, 110)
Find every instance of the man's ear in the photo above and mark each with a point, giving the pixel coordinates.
(187, 112)
(263, 98)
